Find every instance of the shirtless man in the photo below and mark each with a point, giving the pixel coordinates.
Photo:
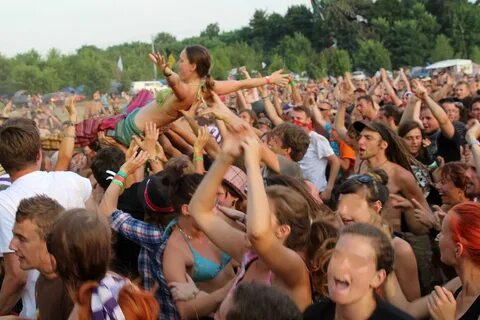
(95, 108)
(379, 147)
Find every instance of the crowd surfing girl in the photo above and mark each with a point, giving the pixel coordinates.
(361, 199)
(362, 259)
(191, 84)
(274, 251)
(80, 243)
(459, 248)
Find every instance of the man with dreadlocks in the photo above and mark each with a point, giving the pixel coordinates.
(380, 148)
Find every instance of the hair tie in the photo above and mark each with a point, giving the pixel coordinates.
(111, 173)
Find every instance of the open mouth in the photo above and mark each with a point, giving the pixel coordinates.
(347, 221)
(341, 284)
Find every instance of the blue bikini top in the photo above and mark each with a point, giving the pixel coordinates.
(205, 269)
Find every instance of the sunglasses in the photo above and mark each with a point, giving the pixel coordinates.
(364, 179)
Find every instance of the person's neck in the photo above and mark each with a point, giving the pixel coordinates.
(47, 269)
(186, 224)
(359, 310)
(469, 275)
(22, 172)
(193, 81)
(377, 161)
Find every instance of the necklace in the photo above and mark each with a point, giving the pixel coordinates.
(184, 233)
(378, 167)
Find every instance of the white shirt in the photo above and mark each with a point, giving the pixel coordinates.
(68, 188)
(314, 162)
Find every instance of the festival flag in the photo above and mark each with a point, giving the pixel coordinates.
(171, 60)
(120, 64)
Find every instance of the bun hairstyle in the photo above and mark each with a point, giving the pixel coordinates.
(200, 56)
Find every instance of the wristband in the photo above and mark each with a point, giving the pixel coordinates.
(69, 136)
(293, 82)
(433, 166)
(474, 143)
(118, 183)
(265, 97)
(196, 159)
(122, 174)
(69, 123)
(269, 81)
(119, 178)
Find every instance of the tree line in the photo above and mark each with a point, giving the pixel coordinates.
(328, 39)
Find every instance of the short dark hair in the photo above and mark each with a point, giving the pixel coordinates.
(391, 111)
(19, 144)
(303, 109)
(367, 98)
(42, 211)
(255, 301)
(293, 137)
(110, 158)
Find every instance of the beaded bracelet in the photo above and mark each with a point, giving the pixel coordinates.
(195, 159)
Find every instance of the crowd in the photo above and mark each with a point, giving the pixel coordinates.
(261, 198)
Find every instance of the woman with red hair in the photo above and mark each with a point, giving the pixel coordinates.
(459, 242)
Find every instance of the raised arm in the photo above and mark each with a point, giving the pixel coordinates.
(412, 111)
(284, 262)
(202, 204)
(448, 130)
(472, 139)
(67, 145)
(224, 87)
(110, 198)
(391, 92)
(269, 107)
(179, 88)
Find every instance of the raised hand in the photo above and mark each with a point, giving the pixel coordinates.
(419, 89)
(279, 78)
(135, 161)
(151, 137)
(70, 105)
(158, 60)
(251, 150)
(201, 141)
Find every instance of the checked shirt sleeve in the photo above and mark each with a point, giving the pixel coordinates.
(142, 233)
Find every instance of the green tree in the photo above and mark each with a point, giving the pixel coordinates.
(371, 56)
(475, 56)
(442, 49)
(337, 61)
(211, 31)
(297, 52)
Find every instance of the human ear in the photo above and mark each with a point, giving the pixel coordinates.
(378, 278)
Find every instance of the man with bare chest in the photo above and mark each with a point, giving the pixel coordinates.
(379, 147)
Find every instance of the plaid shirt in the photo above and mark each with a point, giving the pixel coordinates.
(153, 241)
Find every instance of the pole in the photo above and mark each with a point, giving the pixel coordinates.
(154, 66)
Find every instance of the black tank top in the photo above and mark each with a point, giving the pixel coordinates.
(473, 313)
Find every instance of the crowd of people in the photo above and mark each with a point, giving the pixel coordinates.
(261, 198)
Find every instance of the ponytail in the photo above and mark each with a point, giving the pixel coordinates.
(209, 83)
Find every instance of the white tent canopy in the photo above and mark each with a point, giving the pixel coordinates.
(459, 64)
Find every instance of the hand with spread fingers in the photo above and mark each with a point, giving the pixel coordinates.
(135, 161)
(279, 78)
(159, 61)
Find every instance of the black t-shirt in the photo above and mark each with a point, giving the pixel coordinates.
(448, 149)
(325, 310)
(125, 259)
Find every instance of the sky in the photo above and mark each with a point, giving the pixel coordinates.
(67, 25)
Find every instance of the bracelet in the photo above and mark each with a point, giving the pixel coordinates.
(154, 159)
(119, 178)
(69, 123)
(168, 75)
(268, 79)
(69, 136)
(265, 97)
(293, 82)
(118, 183)
(195, 159)
(474, 143)
(122, 174)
